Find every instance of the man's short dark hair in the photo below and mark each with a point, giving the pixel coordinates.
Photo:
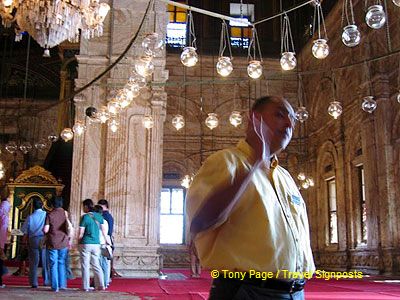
(88, 203)
(98, 208)
(262, 101)
(103, 202)
(36, 202)
(57, 202)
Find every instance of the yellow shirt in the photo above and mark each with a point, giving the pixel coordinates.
(267, 230)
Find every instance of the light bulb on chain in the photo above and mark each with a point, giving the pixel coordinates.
(351, 36)
(113, 106)
(41, 144)
(235, 118)
(67, 134)
(369, 104)
(302, 114)
(301, 176)
(25, 147)
(113, 125)
(148, 122)
(178, 122)
(11, 147)
(254, 69)
(52, 137)
(224, 66)
(375, 17)
(79, 128)
(335, 109)
(189, 57)
(288, 61)
(320, 48)
(152, 44)
(396, 2)
(144, 66)
(212, 121)
(398, 97)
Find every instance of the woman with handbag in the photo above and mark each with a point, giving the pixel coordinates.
(57, 243)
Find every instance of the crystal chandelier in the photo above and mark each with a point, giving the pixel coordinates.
(52, 22)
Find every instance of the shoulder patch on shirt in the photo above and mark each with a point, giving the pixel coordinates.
(296, 199)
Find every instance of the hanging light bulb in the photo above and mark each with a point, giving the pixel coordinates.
(178, 122)
(122, 99)
(351, 36)
(67, 134)
(131, 91)
(113, 106)
(152, 43)
(2, 173)
(186, 181)
(11, 147)
(144, 66)
(79, 128)
(288, 61)
(302, 114)
(113, 125)
(375, 17)
(41, 144)
(235, 118)
(320, 48)
(212, 121)
(310, 181)
(189, 57)
(25, 147)
(52, 137)
(335, 109)
(148, 122)
(398, 97)
(301, 176)
(254, 69)
(369, 104)
(305, 185)
(103, 114)
(137, 79)
(396, 2)
(224, 66)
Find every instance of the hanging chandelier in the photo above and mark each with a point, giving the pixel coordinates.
(52, 22)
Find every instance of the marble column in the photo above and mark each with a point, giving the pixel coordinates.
(123, 167)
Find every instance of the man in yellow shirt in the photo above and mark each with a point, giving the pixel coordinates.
(247, 218)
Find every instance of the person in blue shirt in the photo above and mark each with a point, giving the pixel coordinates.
(33, 234)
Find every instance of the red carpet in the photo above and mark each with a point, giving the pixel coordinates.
(180, 286)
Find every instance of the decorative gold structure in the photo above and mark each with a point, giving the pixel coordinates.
(35, 181)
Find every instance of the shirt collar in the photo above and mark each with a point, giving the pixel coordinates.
(244, 147)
